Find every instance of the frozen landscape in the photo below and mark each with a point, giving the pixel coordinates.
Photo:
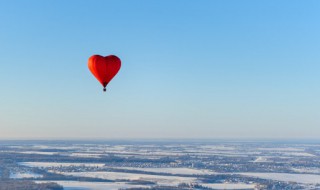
(116, 165)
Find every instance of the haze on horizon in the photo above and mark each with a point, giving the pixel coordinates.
(190, 69)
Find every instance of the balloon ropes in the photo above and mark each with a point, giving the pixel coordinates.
(104, 68)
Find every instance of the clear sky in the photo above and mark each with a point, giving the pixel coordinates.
(190, 69)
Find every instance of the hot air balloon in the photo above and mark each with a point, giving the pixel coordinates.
(104, 68)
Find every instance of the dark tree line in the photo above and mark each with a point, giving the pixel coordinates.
(27, 185)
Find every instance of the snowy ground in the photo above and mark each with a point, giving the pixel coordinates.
(261, 159)
(307, 170)
(58, 164)
(185, 171)
(159, 179)
(229, 185)
(85, 155)
(39, 152)
(20, 175)
(69, 185)
(299, 178)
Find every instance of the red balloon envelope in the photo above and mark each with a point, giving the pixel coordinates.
(104, 68)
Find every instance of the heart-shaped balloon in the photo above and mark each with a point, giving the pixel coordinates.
(104, 68)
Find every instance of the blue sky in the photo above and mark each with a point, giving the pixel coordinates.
(190, 69)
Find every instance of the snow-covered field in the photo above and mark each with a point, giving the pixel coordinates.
(170, 164)
(85, 155)
(304, 154)
(39, 152)
(261, 159)
(21, 175)
(299, 178)
(68, 185)
(287, 151)
(229, 185)
(58, 164)
(307, 170)
(282, 149)
(217, 147)
(185, 171)
(159, 179)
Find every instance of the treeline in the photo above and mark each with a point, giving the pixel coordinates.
(181, 186)
(109, 158)
(27, 185)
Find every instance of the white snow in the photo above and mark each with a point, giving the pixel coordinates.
(217, 147)
(299, 178)
(93, 185)
(261, 159)
(20, 175)
(161, 180)
(229, 185)
(307, 170)
(58, 164)
(39, 152)
(85, 155)
(283, 149)
(298, 154)
(186, 171)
